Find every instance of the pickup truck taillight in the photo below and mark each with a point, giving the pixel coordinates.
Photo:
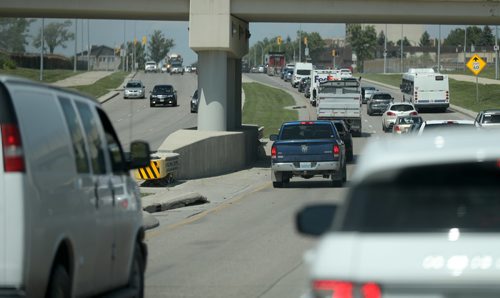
(336, 151)
(273, 152)
(345, 289)
(13, 156)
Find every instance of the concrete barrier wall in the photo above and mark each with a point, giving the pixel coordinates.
(211, 153)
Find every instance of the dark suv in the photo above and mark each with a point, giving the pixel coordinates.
(378, 103)
(163, 95)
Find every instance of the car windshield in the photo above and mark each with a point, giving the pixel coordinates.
(134, 85)
(409, 120)
(382, 96)
(306, 132)
(162, 89)
(401, 108)
(491, 118)
(428, 198)
(303, 72)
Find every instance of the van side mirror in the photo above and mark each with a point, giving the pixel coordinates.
(315, 220)
(139, 155)
(273, 137)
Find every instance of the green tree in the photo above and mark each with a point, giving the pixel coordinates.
(455, 37)
(486, 37)
(159, 46)
(14, 34)
(54, 35)
(425, 40)
(363, 42)
(381, 38)
(140, 54)
(406, 42)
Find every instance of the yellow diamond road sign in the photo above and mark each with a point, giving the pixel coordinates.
(476, 64)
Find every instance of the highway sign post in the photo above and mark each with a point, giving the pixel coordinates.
(476, 65)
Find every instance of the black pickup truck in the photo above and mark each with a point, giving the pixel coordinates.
(308, 149)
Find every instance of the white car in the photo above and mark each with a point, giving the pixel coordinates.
(421, 219)
(488, 119)
(395, 110)
(71, 216)
(430, 126)
(150, 66)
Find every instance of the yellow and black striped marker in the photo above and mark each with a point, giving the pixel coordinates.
(151, 172)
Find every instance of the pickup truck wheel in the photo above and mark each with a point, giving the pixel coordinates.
(277, 184)
(136, 278)
(344, 175)
(350, 156)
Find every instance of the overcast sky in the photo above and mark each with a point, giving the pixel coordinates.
(113, 32)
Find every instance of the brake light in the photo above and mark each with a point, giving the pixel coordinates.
(371, 290)
(13, 156)
(336, 150)
(344, 289)
(413, 113)
(306, 122)
(337, 289)
(273, 152)
(391, 113)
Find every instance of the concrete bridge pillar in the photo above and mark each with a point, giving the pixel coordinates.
(220, 40)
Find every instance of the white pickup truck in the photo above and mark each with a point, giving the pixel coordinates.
(340, 100)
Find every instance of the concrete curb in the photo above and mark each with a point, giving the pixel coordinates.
(453, 107)
(160, 202)
(149, 221)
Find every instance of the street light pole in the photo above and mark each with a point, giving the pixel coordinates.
(385, 49)
(42, 44)
(465, 48)
(401, 44)
(496, 52)
(88, 45)
(439, 49)
(76, 44)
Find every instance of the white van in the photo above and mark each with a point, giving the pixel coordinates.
(300, 71)
(425, 88)
(71, 216)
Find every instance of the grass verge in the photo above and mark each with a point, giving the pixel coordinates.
(49, 75)
(462, 94)
(104, 85)
(264, 106)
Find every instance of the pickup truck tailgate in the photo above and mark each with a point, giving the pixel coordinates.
(311, 150)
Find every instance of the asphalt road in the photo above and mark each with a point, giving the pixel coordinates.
(245, 246)
(134, 119)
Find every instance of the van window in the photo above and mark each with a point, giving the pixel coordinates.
(76, 133)
(303, 72)
(93, 138)
(113, 145)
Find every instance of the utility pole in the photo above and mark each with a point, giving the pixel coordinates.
(76, 44)
(88, 45)
(496, 52)
(42, 45)
(124, 54)
(385, 49)
(465, 49)
(401, 44)
(300, 43)
(439, 49)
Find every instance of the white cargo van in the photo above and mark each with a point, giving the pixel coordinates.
(300, 71)
(71, 218)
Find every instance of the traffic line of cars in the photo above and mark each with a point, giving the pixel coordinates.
(163, 95)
